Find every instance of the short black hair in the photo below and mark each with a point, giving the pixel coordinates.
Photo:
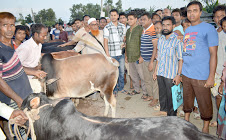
(103, 18)
(85, 16)
(183, 11)
(36, 28)
(20, 27)
(169, 18)
(158, 22)
(158, 10)
(77, 19)
(222, 20)
(195, 3)
(114, 10)
(146, 14)
(154, 14)
(219, 8)
(186, 20)
(177, 10)
(122, 14)
(132, 14)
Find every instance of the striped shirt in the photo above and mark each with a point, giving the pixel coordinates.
(12, 72)
(146, 48)
(169, 53)
(115, 36)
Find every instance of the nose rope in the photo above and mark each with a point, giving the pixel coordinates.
(32, 117)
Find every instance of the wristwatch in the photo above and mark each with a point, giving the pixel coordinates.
(179, 74)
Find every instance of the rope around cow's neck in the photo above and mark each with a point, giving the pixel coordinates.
(32, 117)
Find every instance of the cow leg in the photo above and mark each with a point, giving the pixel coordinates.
(113, 106)
(106, 106)
(110, 100)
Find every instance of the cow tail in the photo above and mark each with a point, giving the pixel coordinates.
(48, 66)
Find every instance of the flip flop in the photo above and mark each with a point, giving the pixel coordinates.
(134, 92)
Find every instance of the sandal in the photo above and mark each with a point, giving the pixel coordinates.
(124, 91)
(144, 96)
(149, 98)
(134, 92)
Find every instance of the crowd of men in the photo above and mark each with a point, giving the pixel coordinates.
(156, 51)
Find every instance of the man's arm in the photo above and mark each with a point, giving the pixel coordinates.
(106, 46)
(72, 42)
(213, 66)
(177, 79)
(154, 53)
(6, 89)
(35, 72)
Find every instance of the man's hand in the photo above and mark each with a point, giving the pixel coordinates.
(21, 116)
(209, 83)
(62, 45)
(177, 79)
(126, 59)
(40, 74)
(220, 89)
(141, 60)
(150, 66)
(154, 76)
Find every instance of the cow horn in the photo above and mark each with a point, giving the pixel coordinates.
(52, 80)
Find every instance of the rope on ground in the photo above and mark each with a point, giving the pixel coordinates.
(32, 117)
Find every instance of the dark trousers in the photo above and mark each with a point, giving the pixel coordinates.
(165, 95)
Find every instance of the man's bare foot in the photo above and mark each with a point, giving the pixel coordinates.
(160, 113)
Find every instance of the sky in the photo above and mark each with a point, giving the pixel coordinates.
(61, 7)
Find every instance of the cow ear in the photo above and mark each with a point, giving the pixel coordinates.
(35, 102)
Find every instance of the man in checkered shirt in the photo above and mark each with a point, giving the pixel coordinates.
(114, 33)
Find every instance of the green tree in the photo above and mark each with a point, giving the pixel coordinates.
(60, 21)
(28, 19)
(21, 19)
(76, 11)
(79, 10)
(118, 6)
(108, 5)
(46, 17)
(152, 9)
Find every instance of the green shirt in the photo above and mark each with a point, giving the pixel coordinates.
(133, 43)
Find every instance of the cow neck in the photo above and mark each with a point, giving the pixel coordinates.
(32, 117)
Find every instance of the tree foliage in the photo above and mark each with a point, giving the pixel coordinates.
(46, 16)
(118, 6)
(79, 10)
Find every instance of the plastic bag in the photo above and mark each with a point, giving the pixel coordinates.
(177, 95)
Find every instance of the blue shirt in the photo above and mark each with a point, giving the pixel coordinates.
(169, 53)
(196, 55)
(179, 28)
(146, 48)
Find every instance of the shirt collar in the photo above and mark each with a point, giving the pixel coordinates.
(33, 43)
(148, 27)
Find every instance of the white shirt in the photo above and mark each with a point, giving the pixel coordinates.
(5, 112)
(221, 54)
(29, 53)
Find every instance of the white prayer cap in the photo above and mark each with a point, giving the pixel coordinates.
(91, 20)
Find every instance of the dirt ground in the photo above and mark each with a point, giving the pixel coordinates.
(132, 107)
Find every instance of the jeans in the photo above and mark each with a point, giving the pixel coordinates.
(120, 84)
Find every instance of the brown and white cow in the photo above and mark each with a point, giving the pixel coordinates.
(81, 75)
